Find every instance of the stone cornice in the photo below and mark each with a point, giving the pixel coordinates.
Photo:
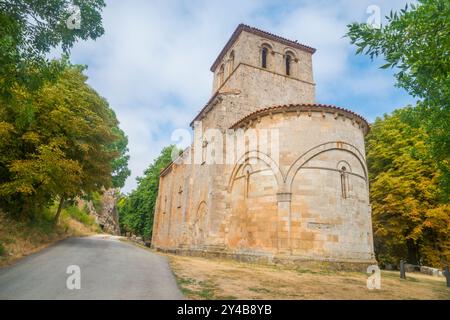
(298, 108)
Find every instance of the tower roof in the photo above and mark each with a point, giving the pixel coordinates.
(242, 27)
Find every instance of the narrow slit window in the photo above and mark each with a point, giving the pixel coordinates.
(165, 205)
(180, 197)
(344, 182)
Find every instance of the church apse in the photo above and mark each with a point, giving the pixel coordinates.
(305, 200)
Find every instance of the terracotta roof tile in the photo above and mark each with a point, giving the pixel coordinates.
(305, 107)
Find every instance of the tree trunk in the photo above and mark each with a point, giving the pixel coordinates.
(412, 252)
(58, 212)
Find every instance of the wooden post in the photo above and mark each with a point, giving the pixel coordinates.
(402, 270)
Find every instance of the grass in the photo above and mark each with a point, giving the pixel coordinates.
(97, 202)
(80, 215)
(203, 278)
(259, 290)
(19, 238)
(311, 271)
(200, 289)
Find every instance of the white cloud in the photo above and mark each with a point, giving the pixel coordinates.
(153, 62)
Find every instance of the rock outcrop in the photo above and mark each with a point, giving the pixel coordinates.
(106, 215)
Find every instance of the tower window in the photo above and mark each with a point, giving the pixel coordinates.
(288, 61)
(264, 52)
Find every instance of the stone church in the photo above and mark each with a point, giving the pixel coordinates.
(304, 199)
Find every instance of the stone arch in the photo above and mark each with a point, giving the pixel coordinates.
(253, 184)
(200, 208)
(313, 152)
(259, 156)
(198, 226)
(248, 168)
(268, 45)
(344, 163)
(290, 51)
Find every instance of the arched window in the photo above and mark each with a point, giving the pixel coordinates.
(264, 53)
(288, 61)
(344, 183)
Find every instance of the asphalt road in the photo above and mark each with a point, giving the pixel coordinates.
(109, 269)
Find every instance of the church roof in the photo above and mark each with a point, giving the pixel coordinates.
(302, 107)
(305, 107)
(208, 104)
(261, 33)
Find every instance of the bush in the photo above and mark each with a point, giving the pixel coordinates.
(2, 249)
(97, 202)
(80, 215)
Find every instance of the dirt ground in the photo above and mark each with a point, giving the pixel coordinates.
(202, 278)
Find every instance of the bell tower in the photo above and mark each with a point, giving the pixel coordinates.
(257, 69)
(266, 57)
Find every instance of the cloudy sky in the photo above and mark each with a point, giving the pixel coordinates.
(152, 64)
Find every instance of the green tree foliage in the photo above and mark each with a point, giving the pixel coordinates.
(119, 165)
(416, 41)
(136, 209)
(30, 28)
(409, 219)
(58, 142)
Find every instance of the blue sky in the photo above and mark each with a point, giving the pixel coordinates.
(152, 64)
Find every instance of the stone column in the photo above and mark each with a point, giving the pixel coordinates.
(284, 223)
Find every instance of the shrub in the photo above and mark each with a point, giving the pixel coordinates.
(80, 215)
(97, 202)
(2, 249)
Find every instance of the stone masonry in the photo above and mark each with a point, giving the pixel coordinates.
(305, 200)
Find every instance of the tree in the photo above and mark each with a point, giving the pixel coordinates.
(57, 143)
(136, 209)
(29, 29)
(119, 165)
(410, 222)
(416, 41)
